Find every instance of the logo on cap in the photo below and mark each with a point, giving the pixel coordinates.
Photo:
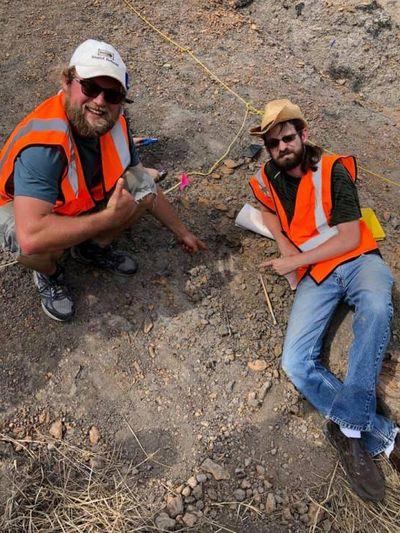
(105, 53)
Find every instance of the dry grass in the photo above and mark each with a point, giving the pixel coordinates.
(61, 488)
(348, 513)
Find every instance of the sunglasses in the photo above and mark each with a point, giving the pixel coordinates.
(271, 142)
(92, 90)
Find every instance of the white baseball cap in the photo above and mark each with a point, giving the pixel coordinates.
(97, 58)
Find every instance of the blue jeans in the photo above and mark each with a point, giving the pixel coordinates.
(366, 285)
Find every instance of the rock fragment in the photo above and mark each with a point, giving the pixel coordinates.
(259, 365)
(56, 430)
(174, 505)
(94, 435)
(217, 471)
(270, 504)
(240, 495)
(164, 522)
(189, 519)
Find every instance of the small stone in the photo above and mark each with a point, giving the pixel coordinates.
(197, 492)
(147, 326)
(301, 507)
(201, 478)
(270, 504)
(164, 522)
(230, 163)
(245, 484)
(259, 365)
(186, 492)
(277, 350)
(217, 471)
(287, 514)
(264, 389)
(221, 207)
(43, 417)
(212, 494)
(252, 400)
(189, 519)
(260, 470)
(174, 505)
(56, 430)
(200, 505)
(192, 482)
(240, 495)
(227, 171)
(94, 435)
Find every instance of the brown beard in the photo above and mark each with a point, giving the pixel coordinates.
(76, 116)
(289, 165)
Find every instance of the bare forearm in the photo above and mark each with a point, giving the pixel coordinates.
(274, 226)
(166, 214)
(334, 247)
(54, 232)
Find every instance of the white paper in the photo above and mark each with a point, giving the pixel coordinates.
(250, 218)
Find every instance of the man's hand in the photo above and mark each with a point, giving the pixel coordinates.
(283, 265)
(121, 204)
(190, 243)
(286, 248)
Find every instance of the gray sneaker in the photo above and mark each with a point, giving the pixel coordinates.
(106, 257)
(56, 301)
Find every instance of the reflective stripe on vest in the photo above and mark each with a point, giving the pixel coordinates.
(35, 124)
(325, 232)
(259, 186)
(121, 144)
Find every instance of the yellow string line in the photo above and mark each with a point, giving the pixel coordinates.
(363, 168)
(217, 163)
(250, 108)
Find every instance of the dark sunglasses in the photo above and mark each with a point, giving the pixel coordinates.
(271, 142)
(92, 90)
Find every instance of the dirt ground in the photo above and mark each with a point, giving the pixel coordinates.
(166, 354)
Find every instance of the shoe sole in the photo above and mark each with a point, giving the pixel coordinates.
(47, 312)
(356, 488)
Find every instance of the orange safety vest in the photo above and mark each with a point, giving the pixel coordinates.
(48, 125)
(310, 223)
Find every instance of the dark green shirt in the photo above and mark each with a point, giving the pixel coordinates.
(345, 203)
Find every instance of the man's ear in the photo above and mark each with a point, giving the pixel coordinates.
(304, 135)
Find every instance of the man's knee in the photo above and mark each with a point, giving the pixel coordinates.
(376, 307)
(293, 364)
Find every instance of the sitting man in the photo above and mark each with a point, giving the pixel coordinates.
(70, 177)
(310, 205)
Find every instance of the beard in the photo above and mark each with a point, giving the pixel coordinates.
(84, 128)
(289, 159)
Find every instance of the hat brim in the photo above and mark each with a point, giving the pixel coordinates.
(105, 70)
(257, 131)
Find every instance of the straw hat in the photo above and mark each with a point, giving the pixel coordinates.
(276, 112)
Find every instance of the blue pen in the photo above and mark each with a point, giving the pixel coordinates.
(147, 141)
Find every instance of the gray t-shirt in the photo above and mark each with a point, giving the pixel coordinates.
(38, 169)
